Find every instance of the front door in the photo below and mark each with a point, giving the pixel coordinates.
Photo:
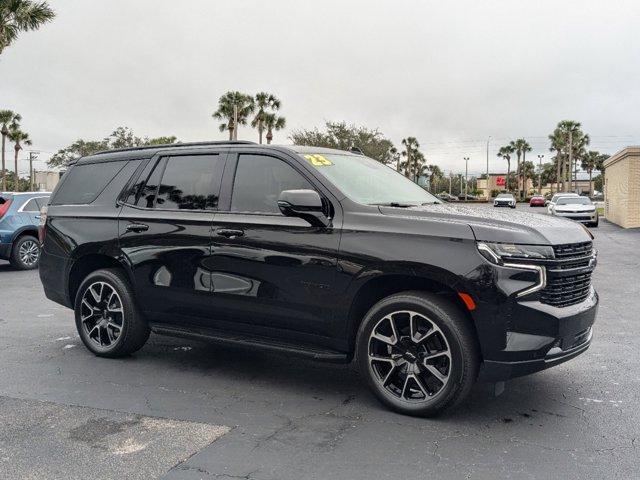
(165, 232)
(270, 272)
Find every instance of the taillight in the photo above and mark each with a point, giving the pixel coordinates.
(43, 221)
(4, 207)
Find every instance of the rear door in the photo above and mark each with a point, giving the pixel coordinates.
(164, 232)
(269, 272)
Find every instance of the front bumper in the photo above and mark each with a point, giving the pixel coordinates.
(586, 217)
(504, 204)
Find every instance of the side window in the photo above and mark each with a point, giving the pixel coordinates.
(191, 182)
(258, 182)
(42, 202)
(143, 193)
(84, 182)
(31, 206)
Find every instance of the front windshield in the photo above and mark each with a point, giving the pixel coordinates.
(505, 195)
(364, 180)
(574, 201)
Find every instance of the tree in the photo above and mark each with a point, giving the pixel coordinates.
(344, 137)
(18, 16)
(548, 174)
(121, 137)
(414, 160)
(273, 122)
(19, 138)
(520, 147)
(569, 141)
(528, 170)
(435, 175)
(265, 103)
(505, 153)
(8, 121)
(394, 157)
(591, 161)
(226, 106)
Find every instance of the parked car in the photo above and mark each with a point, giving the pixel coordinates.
(19, 219)
(537, 201)
(505, 200)
(576, 208)
(467, 197)
(314, 252)
(555, 198)
(446, 197)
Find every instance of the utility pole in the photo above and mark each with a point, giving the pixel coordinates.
(466, 177)
(488, 192)
(540, 157)
(32, 156)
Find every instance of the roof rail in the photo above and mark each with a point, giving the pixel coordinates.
(188, 144)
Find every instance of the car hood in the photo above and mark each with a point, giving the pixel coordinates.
(576, 207)
(494, 225)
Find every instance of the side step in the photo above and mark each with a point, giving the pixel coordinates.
(264, 343)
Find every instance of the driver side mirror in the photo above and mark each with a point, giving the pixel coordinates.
(305, 204)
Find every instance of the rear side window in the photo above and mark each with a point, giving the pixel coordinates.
(191, 182)
(143, 193)
(83, 183)
(31, 206)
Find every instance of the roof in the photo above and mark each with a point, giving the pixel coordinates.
(150, 150)
(621, 155)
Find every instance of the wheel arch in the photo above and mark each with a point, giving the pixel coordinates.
(86, 264)
(375, 289)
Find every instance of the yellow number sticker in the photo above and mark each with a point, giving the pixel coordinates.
(318, 160)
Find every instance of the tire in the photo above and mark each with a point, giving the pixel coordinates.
(595, 224)
(437, 325)
(109, 332)
(25, 253)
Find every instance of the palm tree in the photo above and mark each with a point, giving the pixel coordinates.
(568, 132)
(273, 122)
(394, 157)
(264, 103)
(9, 121)
(18, 16)
(505, 153)
(521, 147)
(411, 153)
(557, 144)
(435, 175)
(20, 138)
(591, 161)
(227, 104)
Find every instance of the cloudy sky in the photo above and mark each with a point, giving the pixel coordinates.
(449, 73)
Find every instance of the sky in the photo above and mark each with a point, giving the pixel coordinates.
(451, 74)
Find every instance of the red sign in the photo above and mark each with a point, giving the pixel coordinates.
(500, 181)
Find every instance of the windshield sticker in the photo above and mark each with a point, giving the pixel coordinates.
(318, 160)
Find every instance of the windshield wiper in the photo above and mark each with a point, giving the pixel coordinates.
(394, 204)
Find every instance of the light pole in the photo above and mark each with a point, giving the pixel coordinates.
(466, 177)
(488, 193)
(540, 157)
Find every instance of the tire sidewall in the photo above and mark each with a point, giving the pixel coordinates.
(127, 305)
(448, 327)
(16, 261)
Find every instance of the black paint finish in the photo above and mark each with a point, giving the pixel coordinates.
(283, 281)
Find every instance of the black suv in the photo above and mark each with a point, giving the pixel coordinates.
(317, 252)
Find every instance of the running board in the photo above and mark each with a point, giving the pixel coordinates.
(226, 338)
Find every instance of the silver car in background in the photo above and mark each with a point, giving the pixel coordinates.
(576, 208)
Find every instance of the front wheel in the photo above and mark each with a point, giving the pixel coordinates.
(418, 353)
(107, 319)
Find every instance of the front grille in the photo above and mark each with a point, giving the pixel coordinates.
(564, 288)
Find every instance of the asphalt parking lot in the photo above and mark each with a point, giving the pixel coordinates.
(186, 410)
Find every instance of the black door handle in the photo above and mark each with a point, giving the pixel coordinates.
(230, 232)
(137, 227)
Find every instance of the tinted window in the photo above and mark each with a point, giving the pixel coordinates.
(259, 181)
(143, 192)
(191, 182)
(83, 183)
(42, 202)
(31, 206)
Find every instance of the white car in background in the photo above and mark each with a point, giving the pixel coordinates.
(505, 200)
(580, 209)
(555, 198)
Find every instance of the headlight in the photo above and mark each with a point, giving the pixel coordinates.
(500, 252)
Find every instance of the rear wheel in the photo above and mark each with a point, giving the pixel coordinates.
(107, 319)
(25, 253)
(418, 353)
